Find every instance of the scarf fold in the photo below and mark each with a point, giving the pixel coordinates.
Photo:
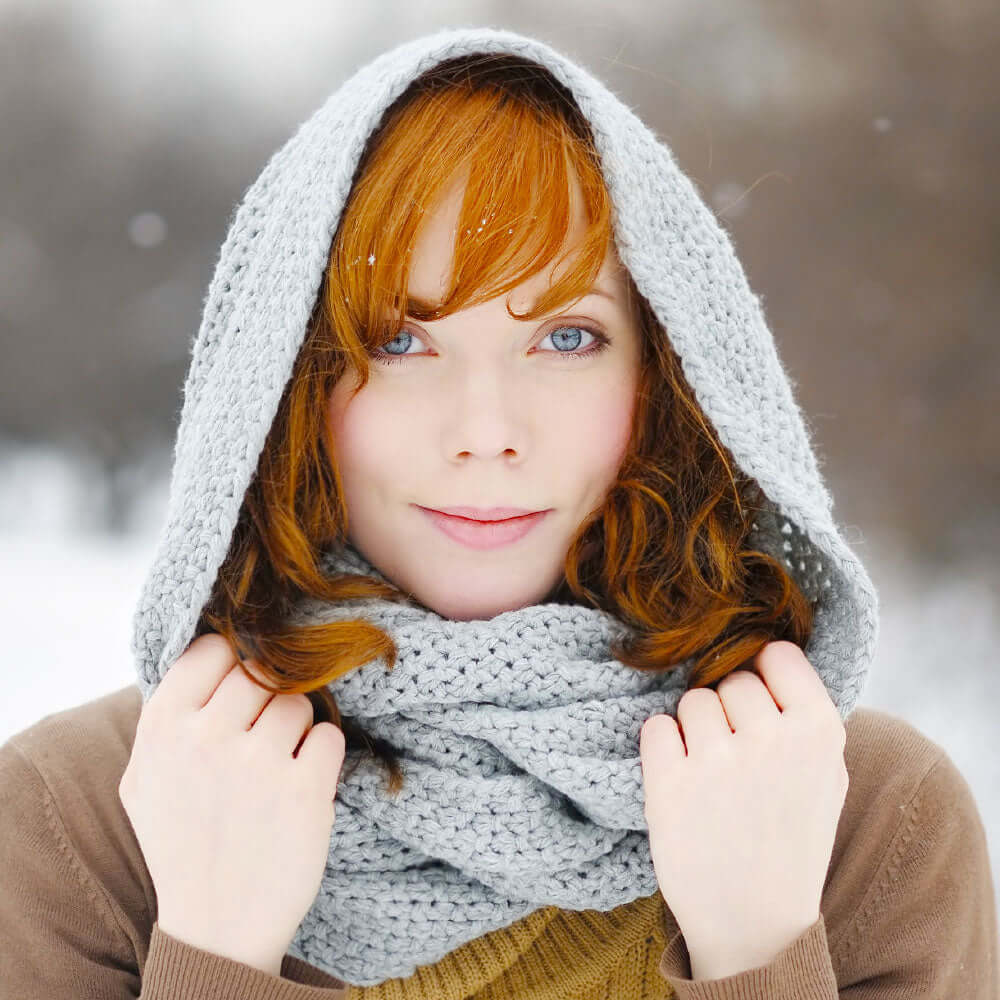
(519, 744)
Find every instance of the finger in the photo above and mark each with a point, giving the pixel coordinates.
(239, 699)
(284, 721)
(790, 677)
(323, 752)
(701, 718)
(193, 677)
(746, 700)
(660, 740)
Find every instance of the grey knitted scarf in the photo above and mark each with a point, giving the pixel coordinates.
(519, 736)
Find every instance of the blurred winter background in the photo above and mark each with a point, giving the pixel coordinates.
(851, 150)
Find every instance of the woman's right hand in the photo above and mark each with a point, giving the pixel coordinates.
(233, 825)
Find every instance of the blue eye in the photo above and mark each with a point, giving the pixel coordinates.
(390, 358)
(601, 342)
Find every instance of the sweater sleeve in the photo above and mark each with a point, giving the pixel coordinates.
(926, 928)
(801, 971)
(59, 936)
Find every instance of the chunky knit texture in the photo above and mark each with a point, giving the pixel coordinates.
(908, 908)
(521, 738)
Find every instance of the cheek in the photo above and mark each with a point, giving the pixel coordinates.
(606, 431)
(365, 434)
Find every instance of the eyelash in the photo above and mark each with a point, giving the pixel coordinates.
(602, 343)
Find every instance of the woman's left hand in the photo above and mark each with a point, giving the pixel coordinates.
(742, 801)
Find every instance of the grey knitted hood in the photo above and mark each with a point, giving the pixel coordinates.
(269, 272)
(256, 313)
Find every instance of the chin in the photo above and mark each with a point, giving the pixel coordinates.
(469, 607)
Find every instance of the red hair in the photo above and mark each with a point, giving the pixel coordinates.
(668, 553)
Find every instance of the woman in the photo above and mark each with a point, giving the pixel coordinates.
(489, 479)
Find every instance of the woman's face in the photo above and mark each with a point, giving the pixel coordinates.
(482, 410)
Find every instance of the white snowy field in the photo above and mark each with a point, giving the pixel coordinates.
(68, 593)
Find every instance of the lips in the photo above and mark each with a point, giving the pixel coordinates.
(484, 513)
(477, 534)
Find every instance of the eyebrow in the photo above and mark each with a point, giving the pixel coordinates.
(425, 306)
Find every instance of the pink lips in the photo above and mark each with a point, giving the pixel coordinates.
(484, 513)
(477, 534)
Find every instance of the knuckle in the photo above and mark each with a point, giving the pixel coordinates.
(695, 694)
(695, 701)
(785, 647)
(330, 732)
(781, 651)
(254, 670)
(738, 676)
(211, 644)
(296, 704)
